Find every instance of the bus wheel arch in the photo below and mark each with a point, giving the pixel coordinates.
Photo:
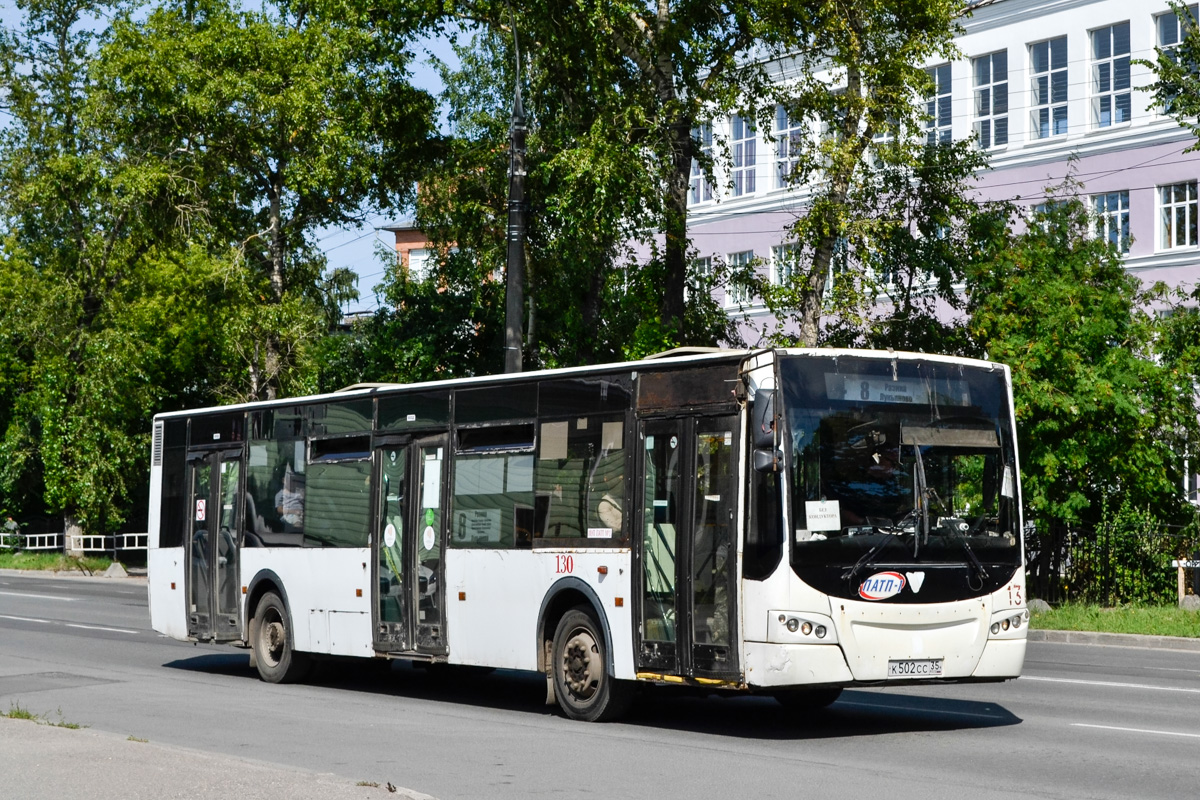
(576, 654)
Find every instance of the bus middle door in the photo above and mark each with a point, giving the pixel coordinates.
(410, 531)
(213, 545)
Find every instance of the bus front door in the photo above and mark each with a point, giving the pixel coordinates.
(410, 589)
(212, 547)
(689, 548)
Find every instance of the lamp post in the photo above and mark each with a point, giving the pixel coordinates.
(514, 300)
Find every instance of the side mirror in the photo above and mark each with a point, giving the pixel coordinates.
(763, 421)
(768, 460)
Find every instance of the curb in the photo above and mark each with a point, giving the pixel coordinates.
(135, 575)
(1116, 640)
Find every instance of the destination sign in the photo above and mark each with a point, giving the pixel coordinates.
(877, 389)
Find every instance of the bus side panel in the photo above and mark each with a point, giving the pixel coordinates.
(168, 596)
(492, 602)
(495, 622)
(328, 594)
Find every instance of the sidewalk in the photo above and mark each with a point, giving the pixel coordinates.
(42, 761)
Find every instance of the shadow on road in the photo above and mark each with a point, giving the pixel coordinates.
(856, 713)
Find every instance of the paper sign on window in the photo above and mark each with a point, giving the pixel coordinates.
(823, 515)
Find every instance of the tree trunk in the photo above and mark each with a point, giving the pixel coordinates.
(671, 304)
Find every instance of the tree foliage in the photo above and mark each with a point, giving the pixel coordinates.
(278, 121)
(92, 275)
(162, 178)
(1101, 418)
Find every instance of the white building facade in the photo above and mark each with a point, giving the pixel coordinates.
(1039, 82)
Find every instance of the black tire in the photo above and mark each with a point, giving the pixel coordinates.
(275, 653)
(804, 700)
(582, 685)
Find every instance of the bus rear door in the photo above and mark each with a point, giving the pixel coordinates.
(212, 546)
(689, 548)
(410, 530)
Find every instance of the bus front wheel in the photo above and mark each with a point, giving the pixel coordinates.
(274, 646)
(584, 688)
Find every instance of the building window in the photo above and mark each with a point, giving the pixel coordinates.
(420, 264)
(737, 294)
(1178, 205)
(1048, 70)
(1112, 218)
(991, 99)
(938, 106)
(1110, 75)
(1171, 29)
(784, 260)
(744, 156)
(700, 189)
(788, 135)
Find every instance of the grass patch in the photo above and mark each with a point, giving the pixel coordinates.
(133, 738)
(1150, 620)
(57, 562)
(16, 712)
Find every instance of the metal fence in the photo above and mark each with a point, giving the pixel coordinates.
(1110, 565)
(82, 543)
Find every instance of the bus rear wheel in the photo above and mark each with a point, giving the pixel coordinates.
(275, 655)
(582, 685)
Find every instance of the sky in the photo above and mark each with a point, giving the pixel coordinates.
(357, 248)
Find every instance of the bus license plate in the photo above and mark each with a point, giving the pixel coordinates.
(915, 668)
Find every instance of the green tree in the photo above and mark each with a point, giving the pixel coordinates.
(916, 229)
(1176, 68)
(93, 273)
(617, 89)
(279, 122)
(1102, 421)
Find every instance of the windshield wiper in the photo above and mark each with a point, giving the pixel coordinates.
(868, 557)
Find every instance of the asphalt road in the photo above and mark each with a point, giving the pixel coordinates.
(1084, 722)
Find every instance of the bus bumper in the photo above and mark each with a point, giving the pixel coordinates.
(776, 665)
(1002, 658)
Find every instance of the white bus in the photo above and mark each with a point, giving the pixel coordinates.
(787, 522)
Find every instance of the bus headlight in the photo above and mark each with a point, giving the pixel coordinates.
(1007, 623)
(798, 627)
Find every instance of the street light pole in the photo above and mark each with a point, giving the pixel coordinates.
(515, 273)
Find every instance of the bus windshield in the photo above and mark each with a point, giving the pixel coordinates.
(900, 462)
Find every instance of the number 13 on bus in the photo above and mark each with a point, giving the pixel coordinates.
(783, 522)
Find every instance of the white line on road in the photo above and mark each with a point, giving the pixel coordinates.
(99, 628)
(1135, 730)
(1111, 684)
(39, 596)
(69, 624)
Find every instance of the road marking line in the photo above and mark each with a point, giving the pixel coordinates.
(27, 619)
(923, 710)
(39, 596)
(1135, 730)
(1111, 684)
(99, 628)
